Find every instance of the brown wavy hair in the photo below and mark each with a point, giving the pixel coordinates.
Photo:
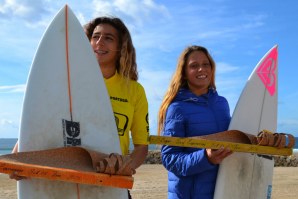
(179, 81)
(126, 64)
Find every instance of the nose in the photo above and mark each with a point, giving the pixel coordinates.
(200, 68)
(100, 41)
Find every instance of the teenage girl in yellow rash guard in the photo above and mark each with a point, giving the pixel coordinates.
(116, 56)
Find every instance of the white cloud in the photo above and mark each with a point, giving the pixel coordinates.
(8, 129)
(29, 10)
(232, 30)
(222, 67)
(81, 17)
(13, 89)
(136, 11)
(291, 122)
(6, 122)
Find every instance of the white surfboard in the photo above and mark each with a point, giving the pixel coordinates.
(66, 104)
(249, 176)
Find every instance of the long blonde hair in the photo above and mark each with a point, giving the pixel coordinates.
(178, 81)
(126, 64)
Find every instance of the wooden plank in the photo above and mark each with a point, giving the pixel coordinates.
(67, 175)
(212, 144)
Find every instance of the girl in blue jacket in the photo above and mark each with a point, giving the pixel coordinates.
(192, 107)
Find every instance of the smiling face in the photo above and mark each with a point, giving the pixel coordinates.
(198, 72)
(105, 44)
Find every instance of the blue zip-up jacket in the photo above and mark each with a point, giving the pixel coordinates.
(190, 174)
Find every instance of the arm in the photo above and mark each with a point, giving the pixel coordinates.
(13, 175)
(184, 162)
(179, 160)
(140, 128)
(217, 156)
(138, 155)
(15, 148)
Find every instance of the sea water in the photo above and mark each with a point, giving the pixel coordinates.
(7, 144)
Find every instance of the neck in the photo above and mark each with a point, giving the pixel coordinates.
(108, 72)
(199, 92)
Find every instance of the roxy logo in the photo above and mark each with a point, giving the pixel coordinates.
(266, 72)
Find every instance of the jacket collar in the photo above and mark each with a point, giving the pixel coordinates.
(185, 95)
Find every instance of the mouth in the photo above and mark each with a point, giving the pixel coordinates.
(201, 76)
(101, 52)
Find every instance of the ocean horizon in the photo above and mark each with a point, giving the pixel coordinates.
(7, 144)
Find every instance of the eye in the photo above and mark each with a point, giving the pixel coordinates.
(95, 36)
(194, 66)
(109, 38)
(206, 65)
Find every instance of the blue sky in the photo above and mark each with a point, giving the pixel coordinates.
(237, 34)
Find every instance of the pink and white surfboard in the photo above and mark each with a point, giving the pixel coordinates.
(249, 176)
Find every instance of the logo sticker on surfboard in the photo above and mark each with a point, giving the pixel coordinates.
(266, 72)
(71, 133)
(269, 191)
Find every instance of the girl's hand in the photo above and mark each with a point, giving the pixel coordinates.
(216, 156)
(15, 176)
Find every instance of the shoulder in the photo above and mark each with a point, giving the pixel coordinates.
(222, 105)
(136, 89)
(137, 85)
(131, 87)
(175, 110)
(218, 97)
(222, 99)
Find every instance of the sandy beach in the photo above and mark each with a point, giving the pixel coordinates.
(151, 182)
